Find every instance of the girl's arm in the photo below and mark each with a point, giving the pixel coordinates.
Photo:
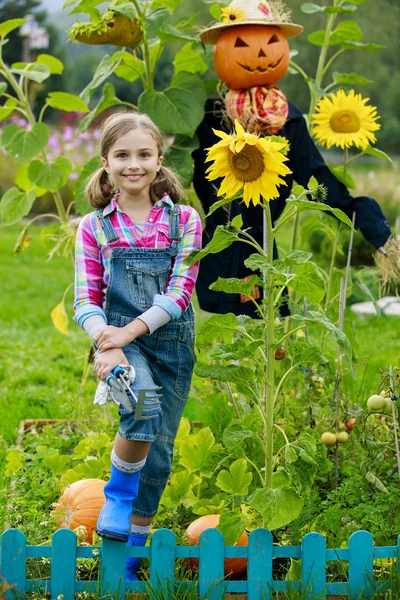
(182, 280)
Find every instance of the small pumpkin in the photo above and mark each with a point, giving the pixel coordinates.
(80, 505)
(247, 56)
(232, 566)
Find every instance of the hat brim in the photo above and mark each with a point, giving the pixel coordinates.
(211, 34)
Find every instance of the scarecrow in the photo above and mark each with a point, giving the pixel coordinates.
(251, 54)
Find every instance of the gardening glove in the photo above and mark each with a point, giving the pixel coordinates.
(387, 259)
(104, 392)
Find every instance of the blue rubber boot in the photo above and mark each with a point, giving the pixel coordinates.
(133, 563)
(114, 518)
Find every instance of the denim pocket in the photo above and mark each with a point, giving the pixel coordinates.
(145, 279)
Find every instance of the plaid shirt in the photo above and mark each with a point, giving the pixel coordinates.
(93, 254)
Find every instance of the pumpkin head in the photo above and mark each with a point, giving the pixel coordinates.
(80, 505)
(233, 566)
(251, 55)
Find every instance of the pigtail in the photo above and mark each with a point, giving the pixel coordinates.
(167, 181)
(99, 189)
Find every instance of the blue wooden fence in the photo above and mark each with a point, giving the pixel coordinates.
(163, 551)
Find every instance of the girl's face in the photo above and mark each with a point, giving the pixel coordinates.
(133, 163)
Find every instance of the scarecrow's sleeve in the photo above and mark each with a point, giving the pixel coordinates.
(306, 161)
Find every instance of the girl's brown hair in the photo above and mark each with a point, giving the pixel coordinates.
(100, 189)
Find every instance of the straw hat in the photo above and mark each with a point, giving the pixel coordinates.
(252, 12)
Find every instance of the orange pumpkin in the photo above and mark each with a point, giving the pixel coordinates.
(80, 505)
(246, 56)
(233, 566)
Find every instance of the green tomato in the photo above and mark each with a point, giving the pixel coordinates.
(388, 406)
(376, 402)
(342, 437)
(328, 438)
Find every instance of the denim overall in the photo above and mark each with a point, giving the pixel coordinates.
(163, 359)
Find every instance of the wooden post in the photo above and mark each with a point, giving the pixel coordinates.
(13, 561)
(361, 565)
(162, 562)
(211, 568)
(313, 566)
(259, 569)
(63, 564)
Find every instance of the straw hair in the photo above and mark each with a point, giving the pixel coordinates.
(254, 12)
(389, 265)
(100, 188)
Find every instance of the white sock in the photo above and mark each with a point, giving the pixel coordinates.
(124, 466)
(142, 529)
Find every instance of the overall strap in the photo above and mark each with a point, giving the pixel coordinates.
(174, 227)
(107, 227)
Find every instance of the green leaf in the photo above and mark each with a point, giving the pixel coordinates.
(235, 434)
(223, 238)
(297, 190)
(179, 157)
(25, 144)
(189, 60)
(67, 102)
(90, 469)
(179, 109)
(8, 26)
(55, 65)
(331, 10)
(35, 71)
(172, 5)
(231, 525)
(3, 87)
(8, 108)
(236, 286)
(179, 491)
(15, 204)
(297, 257)
(214, 327)
(50, 176)
(236, 481)
(105, 68)
(378, 154)
(278, 507)
(312, 184)
(82, 450)
(239, 348)
(108, 99)
(24, 183)
(124, 7)
(197, 452)
(82, 205)
(310, 8)
(168, 33)
(226, 373)
(346, 31)
(309, 205)
(215, 11)
(320, 320)
(130, 67)
(56, 463)
(350, 79)
(309, 282)
(156, 20)
(303, 352)
(357, 2)
(317, 38)
(376, 482)
(213, 506)
(347, 180)
(353, 45)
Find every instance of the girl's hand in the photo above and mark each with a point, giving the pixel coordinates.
(112, 337)
(106, 361)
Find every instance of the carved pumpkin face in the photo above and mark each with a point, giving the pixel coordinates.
(251, 55)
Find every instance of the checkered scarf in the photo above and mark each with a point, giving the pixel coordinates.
(258, 109)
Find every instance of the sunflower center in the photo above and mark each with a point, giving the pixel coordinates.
(345, 121)
(248, 164)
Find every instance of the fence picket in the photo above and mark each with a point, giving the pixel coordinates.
(63, 564)
(112, 568)
(211, 568)
(259, 568)
(162, 561)
(13, 561)
(361, 565)
(313, 565)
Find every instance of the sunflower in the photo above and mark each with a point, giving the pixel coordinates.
(232, 14)
(345, 120)
(247, 161)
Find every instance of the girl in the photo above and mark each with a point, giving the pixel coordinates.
(133, 297)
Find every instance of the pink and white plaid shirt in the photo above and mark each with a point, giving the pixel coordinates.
(93, 254)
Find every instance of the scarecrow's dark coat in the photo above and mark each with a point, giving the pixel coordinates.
(304, 161)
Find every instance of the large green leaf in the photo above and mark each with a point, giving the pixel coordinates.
(320, 320)
(309, 282)
(38, 72)
(82, 205)
(309, 8)
(309, 205)
(180, 490)
(346, 31)
(353, 45)
(350, 79)
(157, 19)
(55, 65)
(239, 348)
(168, 33)
(236, 286)
(8, 108)
(124, 7)
(25, 144)
(172, 5)
(216, 326)
(278, 507)
(197, 452)
(235, 434)
(347, 179)
(130, 67)
(223, 238)
(105, 68)
(51, 175)
(303, 352)
(231, 525)
(378, 154)
(7, 26)
(67, 102)
(16, 204)
(108, 99)
(236, 481)
(179, 157)
(189, 60)
(179, 109)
